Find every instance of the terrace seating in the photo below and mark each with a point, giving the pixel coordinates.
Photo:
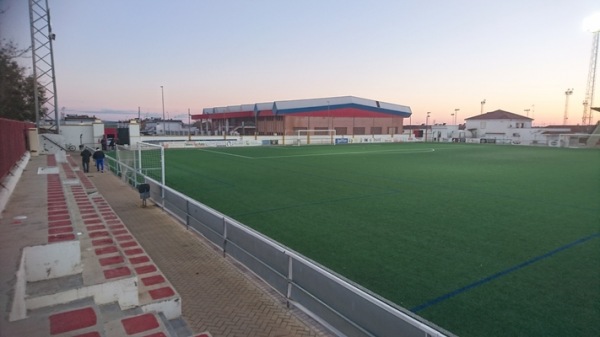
(90, 276)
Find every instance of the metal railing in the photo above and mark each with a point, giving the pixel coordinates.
(339, 304)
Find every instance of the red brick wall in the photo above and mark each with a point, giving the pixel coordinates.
(387, 125)
(13, 143)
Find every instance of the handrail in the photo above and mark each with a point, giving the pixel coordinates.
(53, 142)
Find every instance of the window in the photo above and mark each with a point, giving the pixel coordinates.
(358, 131)
(341, 131)
(376, 130)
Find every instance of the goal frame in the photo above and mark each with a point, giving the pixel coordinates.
(574, 140)
(317, 135)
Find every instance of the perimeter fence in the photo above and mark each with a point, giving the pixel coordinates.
(342, 306)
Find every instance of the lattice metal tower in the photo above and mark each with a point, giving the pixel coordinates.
(43, 64)
(594, 28)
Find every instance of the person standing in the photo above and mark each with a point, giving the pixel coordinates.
(99, 158)
(85, 160)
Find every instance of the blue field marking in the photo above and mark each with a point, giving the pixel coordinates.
(501, 273)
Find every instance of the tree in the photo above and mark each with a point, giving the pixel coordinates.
(17, 99)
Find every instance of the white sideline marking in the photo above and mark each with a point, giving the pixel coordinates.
(326, 154)
(227, 154)
(350, 153)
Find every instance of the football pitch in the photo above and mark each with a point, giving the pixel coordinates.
(482, 240)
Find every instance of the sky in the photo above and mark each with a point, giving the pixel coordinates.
(113, 56)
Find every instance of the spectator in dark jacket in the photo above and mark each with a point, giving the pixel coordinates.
(99, 158)
(85, 160)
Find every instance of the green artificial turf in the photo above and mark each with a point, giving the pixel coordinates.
(413, 222)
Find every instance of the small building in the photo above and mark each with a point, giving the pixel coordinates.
(163, 127)
(347, 115)
(499, 126)
(79, 119)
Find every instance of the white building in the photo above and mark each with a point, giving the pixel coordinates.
(168, 127)
(501, 126)
(505, 127)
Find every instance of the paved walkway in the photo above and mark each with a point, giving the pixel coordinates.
(218, 295)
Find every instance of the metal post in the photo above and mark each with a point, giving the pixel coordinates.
(162, 167)
(289, 281)
(427, 124)
(162, 91)
(224, 237)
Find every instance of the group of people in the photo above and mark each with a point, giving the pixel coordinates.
(111, 143)
(98, 157)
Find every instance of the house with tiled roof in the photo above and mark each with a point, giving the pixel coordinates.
(500, 126)
(505, 127)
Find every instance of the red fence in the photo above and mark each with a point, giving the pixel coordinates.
(13, 143)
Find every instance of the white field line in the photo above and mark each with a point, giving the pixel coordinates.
(326, 154)
(429, 150)
(227, 154)
(348, 153)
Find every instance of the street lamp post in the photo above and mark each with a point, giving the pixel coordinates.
(427, 124)
(482, 104)
(162, 91)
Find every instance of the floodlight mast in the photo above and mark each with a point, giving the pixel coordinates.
(592, 25)
(568, 93)
(42, 54)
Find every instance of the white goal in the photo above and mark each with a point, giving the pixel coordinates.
(140, 161)
(307, 137)
(579, 140)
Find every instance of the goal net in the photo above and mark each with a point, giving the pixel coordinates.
(140, 161)
(579, 140)
(306, 137)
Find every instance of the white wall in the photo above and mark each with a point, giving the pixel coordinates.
(77, 134)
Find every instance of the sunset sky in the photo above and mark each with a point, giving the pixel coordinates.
(112, 57)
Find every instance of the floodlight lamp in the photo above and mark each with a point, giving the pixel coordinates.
(592, 23)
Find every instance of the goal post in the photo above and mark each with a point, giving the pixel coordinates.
(140, 161)
(315, 136)
(579, 140)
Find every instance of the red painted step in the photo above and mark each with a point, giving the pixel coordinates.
(161, 293)
(72, 320)
(139, 324)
